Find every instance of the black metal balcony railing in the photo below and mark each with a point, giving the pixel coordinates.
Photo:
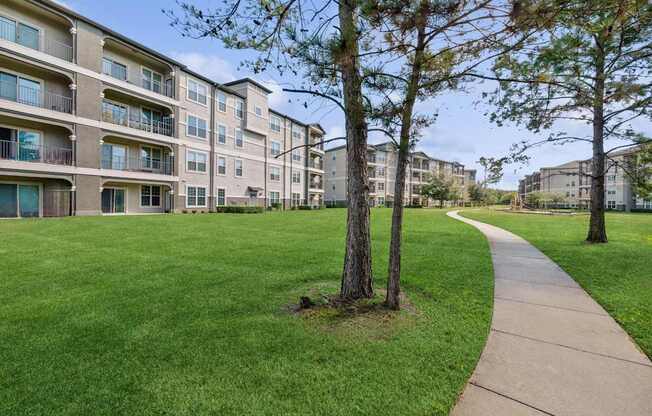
(165, 126)
(163, 89)
(24, 152)
(53, 47)
(315, 185)
(139, 164)
(35, 97)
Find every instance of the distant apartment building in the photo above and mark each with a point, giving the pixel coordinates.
(92, 122)
(382, 160)
(572, 181)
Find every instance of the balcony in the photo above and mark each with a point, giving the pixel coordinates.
(149, 121)
(35, 97)
(139, 164)
(316, 185)
(33, 38)
(316, 164)
(30, 152)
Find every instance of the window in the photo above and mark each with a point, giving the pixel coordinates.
(611, 204)
(150, 157)
(380, 171)
(381, 186)
(239, 138)
(274, 198)
(239, 169)
(380, 157)
(19, 89)
(611, 178)
(221, 134)
(296, 199)
(221, 197)
(197, 92)
(19, 33)
(275, 148)
(381, 200)
(195, 161)
(296, 134)
(152, 81)
(275, 124)
(195, 196)
(150, 196)
(296, 177)
(258, 111)
(274, 173)
(114, 113)
(221, 102)
(114, 69)
(221, 165)
(238, 110)
(296, 155)
(196, 127)
(611, 192)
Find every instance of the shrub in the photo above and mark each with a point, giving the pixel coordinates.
(414, 206)
(240, 209)
(309, 207)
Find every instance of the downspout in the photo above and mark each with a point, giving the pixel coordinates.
(211, 171)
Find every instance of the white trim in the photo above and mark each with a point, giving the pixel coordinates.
(235, 169)
(140, 195)
(153, 72)
(226, 165)
(196, 196)
(235, 108)
(217, 197)
(226, 133)
(109, 58)
(270, 174)
(217, 99)
(188, 115)
(188, 80)
(235, 138)
(188, 150)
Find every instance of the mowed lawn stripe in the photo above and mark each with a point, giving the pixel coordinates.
(187, 315)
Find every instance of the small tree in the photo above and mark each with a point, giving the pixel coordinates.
(440, 188)
(476, 193)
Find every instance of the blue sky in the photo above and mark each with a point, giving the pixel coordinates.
(461, 133)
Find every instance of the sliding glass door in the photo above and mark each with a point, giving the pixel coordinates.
(17, 200)
(113, 201)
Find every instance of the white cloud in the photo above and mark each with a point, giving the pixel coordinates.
(211, 66)
(278, 97)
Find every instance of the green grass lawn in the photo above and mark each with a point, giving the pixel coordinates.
(618, 274)
(187, 315)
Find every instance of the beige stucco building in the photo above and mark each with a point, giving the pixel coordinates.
(92, 122)
(382, 160)
(572, 181)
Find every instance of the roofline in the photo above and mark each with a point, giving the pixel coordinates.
(253, 81)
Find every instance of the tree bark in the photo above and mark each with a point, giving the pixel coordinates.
(357, 281)
(597, 228)
(394, 265)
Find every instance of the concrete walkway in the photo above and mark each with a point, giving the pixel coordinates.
(552, 350)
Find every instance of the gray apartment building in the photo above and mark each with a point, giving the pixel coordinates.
(572, 180)
(92, 122)
(382, 160)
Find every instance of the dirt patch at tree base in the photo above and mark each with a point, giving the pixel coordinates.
(362, 319)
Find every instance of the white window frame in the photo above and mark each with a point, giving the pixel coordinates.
(272, 175)
(235, 168)
(258, 111)
(142, 78)
(217, 197)
(296, 155)
(295, 175)
(296, 201)
(237, 109)
(273, 122)
(160, 196)
(113, 61)
(197, 136)
(274, 151)
(272, 201)
(197, 188)
(198, 84)
(220, 95)
(226, 133)
(235, 140)
(197, 152)
(217, 165)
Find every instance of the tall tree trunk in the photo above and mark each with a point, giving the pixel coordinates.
(357, 281)
(597, 228)
(394, 266)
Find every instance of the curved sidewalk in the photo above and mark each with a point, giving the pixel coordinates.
(552, 350)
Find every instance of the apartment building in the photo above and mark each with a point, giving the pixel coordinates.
(382, 160)
(92, 122)
(572, 180)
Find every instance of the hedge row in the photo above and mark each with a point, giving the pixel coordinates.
(239, 209)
